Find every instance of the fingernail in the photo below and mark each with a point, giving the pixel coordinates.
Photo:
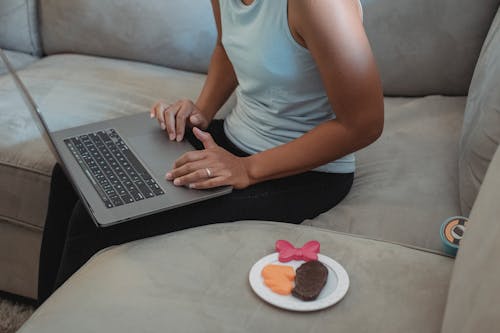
(195, 119)
(177, 181)
(172, 137)
(151, 115)
(168, 176)
(163, 126)
(192, 186)
(179, 138)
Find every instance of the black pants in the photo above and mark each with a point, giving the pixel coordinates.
(70, 237)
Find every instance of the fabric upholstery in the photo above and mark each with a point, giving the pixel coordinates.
(197, 281)
(415, 59)
(19, 26)
(177, 34)
(19, 253)
(71, 90)
(427, 47)
(405, 183)
(473, 301)
(17, 59)
(481, 131)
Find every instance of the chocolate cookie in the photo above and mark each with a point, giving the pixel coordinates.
(310, 278)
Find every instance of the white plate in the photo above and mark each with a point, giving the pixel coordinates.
(334, 290)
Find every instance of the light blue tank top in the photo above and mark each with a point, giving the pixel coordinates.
(280, 95)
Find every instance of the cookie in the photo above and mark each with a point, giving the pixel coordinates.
(279, 278)
(310, 278)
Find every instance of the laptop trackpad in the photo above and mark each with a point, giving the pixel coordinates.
(157, 152)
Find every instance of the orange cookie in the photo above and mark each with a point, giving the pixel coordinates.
(279, 278)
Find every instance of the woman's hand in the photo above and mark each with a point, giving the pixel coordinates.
(173, 118)
(211, 167)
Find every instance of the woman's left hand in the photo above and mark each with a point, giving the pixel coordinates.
(212, 167)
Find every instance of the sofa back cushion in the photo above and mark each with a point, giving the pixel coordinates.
(481, 130)
(173, 33)
(19, 26)
(427, 47)
(422, 47)
(473, 303)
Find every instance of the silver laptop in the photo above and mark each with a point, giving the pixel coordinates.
(118, 166)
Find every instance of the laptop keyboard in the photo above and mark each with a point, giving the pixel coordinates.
(112, 168)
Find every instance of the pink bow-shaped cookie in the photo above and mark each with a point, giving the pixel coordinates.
(288, 252)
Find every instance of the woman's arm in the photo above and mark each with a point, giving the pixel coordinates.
(219, 84)
(333, 32)
(221, 80)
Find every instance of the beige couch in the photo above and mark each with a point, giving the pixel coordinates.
(103, 59)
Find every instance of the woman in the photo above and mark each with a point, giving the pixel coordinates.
(308, 96)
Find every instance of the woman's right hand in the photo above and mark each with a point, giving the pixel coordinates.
(173, 118)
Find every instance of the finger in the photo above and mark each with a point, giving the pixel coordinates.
(208, 183)
(169, 115)
(191, 178)
(205, 138)
(181, 118)
(188, 157)
(160, 107)
(195, 120)
(186, 169)
(152, 111)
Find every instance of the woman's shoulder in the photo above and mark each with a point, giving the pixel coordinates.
(303, 8)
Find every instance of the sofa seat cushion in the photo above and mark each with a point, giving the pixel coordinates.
(406, 182)
(17, 59)
(197, 281)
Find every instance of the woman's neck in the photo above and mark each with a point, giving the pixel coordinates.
(247, 2)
